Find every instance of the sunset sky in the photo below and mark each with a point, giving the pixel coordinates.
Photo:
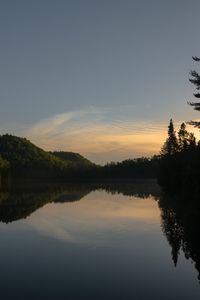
(98, 77)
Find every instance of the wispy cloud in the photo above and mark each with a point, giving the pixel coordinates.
(48, 126)
(99, 134)
(55, 124)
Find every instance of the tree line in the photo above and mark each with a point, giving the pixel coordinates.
(180, 154)
(20, 159)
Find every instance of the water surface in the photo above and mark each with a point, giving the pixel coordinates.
(96, 242)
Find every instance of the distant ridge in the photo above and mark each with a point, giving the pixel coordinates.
(72, 157)
(21, 159)
(26, 158)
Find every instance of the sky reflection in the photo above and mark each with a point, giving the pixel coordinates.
(96, 213)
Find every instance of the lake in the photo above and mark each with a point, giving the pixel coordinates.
(109, 241)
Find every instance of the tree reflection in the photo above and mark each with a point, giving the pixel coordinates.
(19, 203)
(180, 221)
(22, 200)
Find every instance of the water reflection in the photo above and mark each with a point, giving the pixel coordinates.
(21, 201)
(180, 220)
(96, 218)
(104, 239)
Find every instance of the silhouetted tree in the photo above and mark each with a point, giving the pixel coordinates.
(186, 140)
(183, 135)
(192, 141)
(195, 79)
(180, 157)
(170, 146)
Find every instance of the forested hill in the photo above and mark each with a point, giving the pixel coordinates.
(72, 157)
(21, 152)
(26, 158)
(4, 165)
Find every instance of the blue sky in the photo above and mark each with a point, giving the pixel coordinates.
(98, 77)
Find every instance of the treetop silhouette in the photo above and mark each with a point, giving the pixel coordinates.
(195, 79)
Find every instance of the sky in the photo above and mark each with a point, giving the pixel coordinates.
(98, 77)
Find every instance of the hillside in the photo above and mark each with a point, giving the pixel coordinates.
(4, 165)
(26, 158)
(72, 157)
(20, 152)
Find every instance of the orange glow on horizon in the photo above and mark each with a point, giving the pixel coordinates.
(102, 142)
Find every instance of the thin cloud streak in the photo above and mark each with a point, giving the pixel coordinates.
(47, 126)
(92, 134)
(52, 125)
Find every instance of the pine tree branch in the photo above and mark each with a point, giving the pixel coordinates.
(195, 58)
(194, 123)
(197, 95)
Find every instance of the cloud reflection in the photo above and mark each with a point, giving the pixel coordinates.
(97, 216)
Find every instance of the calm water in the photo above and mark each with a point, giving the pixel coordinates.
(100, 242)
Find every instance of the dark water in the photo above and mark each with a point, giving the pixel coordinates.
(97, 242)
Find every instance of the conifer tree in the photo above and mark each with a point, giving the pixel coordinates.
(186, 140)
(183, 137)
(170, 146)
(195, 79)
(192, 141)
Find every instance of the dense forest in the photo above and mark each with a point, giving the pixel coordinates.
(180, 160)
(22, 159)
(142, 167)
(180, 155)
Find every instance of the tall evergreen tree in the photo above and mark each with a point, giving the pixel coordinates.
(195, 79)
(192, 141)
(183, 137)
(170, 146)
